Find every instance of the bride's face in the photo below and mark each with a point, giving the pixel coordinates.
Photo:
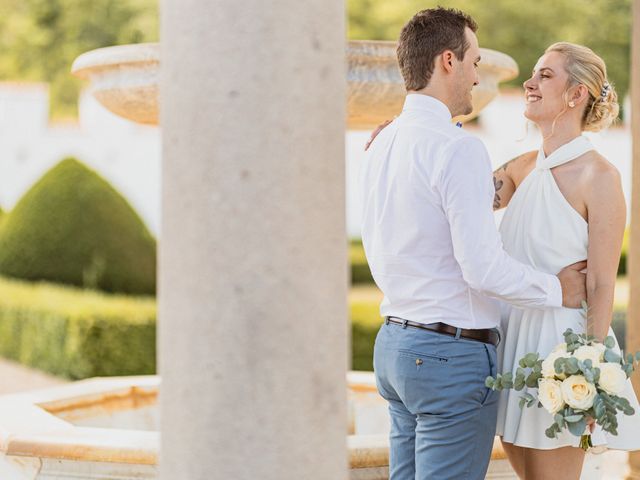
(544, 91)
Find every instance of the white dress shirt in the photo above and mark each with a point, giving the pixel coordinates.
(428, 228)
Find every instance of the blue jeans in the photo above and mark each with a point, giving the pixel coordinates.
(443, 418)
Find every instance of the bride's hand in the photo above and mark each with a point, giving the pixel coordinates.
(375, 133)
(591, 423)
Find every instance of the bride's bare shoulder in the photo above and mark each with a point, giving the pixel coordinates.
(596, 165)
(599, 173)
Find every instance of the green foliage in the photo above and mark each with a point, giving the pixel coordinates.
(622, 265)
(76, 333)
(72, 227)
(360, 272)
(365, 323)
(39, 39)
(520, 29)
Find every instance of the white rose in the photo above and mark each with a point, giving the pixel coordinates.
(601, 348)
(613, 380)
(562, 347)
(550, 395)
(587, 352)
(578, 393)
(548, 368)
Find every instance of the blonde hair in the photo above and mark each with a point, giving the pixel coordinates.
(586, 68)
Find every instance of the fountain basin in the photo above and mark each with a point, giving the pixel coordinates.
(125, 79)
(107, 428)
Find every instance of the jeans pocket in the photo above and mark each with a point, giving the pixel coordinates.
(493, 370)
(421, 357)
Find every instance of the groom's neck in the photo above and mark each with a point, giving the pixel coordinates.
(438, 94)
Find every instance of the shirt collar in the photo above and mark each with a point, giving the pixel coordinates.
(426, 103)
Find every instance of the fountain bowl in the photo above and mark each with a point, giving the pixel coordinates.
(125, 78)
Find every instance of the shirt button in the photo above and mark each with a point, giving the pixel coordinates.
(418, 361)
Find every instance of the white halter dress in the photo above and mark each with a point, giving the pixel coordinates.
(540, 228)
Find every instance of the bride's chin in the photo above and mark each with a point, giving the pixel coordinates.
(530, 115)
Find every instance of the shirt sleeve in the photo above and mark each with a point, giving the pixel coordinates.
(466, 186)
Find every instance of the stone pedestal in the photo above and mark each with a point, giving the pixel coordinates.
(253, 256)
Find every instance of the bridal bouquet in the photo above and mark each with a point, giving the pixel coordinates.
(580, 379)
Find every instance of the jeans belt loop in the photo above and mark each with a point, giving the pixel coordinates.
(404, 323)
(458, 333)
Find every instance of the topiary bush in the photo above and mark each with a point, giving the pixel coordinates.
(73, 227)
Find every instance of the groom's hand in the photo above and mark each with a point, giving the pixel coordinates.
(574, 285)
(375, 133)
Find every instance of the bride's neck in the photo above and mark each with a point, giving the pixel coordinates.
(554, 138)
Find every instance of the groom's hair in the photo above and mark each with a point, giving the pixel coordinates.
(428, 34)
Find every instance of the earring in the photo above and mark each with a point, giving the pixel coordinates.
(572, 104)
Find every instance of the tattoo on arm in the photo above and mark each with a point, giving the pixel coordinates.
(496, 199)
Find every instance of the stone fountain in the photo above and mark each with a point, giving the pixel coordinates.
(125, 80)
(108, 428)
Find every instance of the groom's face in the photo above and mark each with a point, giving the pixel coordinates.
(466, 76)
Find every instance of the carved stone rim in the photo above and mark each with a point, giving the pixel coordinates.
(106, 58)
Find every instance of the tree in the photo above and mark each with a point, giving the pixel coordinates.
(39, 39)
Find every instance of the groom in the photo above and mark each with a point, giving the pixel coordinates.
(434, 251)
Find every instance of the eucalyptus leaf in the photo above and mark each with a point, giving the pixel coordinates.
(530, 359)
(611, 356)
(574, 418)
(589, 376)
(578, 428)
(559, 420)
(572, 366)
(609, 342)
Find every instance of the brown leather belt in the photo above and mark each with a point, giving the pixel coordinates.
(485, 335)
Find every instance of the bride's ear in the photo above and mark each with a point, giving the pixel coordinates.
(579, 94)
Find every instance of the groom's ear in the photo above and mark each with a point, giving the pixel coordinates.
(447, 57)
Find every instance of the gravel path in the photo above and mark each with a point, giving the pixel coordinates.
(18, 378)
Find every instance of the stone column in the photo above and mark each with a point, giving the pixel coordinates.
(633, 313)
(253, 250)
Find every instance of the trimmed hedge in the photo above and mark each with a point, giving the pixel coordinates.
(73, 227)
(365, 323)
(77, 333)
(360, 272)
(622, 266)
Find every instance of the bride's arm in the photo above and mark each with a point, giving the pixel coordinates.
(505, 180)
(606, 210)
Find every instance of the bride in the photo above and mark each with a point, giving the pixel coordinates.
(564, 204)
